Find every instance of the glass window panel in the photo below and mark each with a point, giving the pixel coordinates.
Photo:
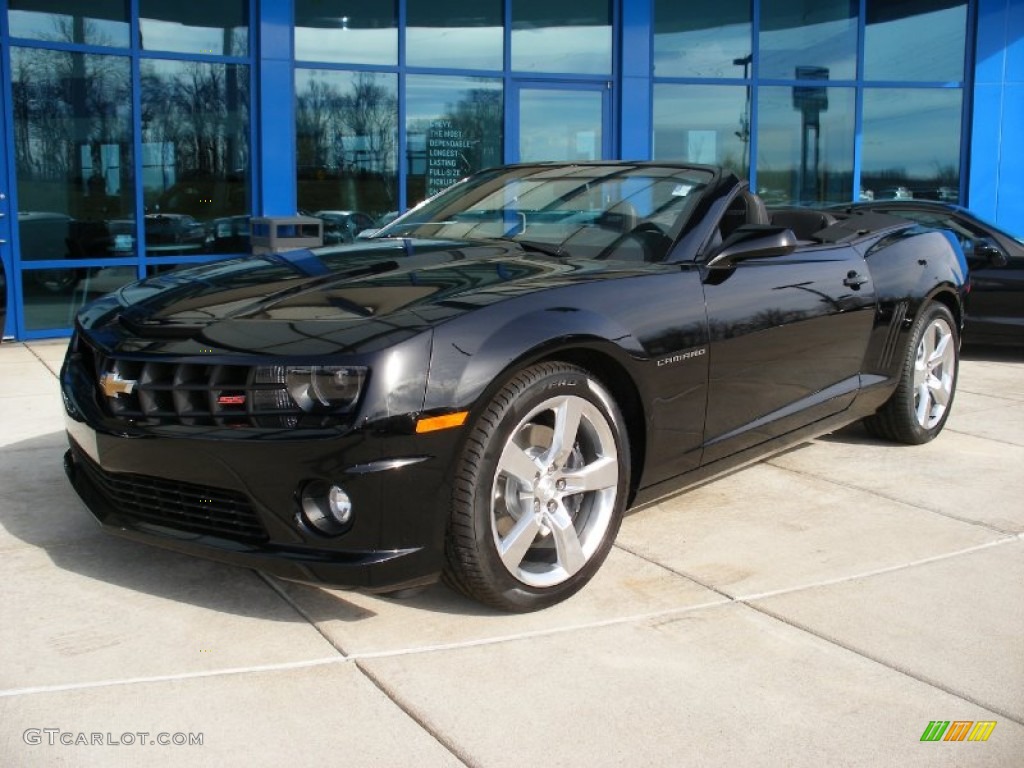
(808, 33)
(915, 40)
(453, 128)
(562, 36)
(349, 31)
(346, 141)
(219, 28)
(53, 296)
(575, 136)
(805, 144)
(911, 143)
(91, 22)
(463, 34)
(195, 156)
(702, 38)
(703, 124)
(72, 153)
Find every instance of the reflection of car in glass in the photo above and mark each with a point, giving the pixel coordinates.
(174, 233)
(995, 304)
(484, 387)
(47, 235)
(894, 193)
(342, 226)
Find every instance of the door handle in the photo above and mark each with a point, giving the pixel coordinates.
(854, 280)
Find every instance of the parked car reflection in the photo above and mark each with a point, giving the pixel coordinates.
(342, 226)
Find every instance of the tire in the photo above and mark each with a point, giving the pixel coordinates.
(539, 490)
(918, 409)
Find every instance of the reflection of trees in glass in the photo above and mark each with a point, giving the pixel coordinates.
(346, 141)
(71, 122)
(200, 111)
(478, 115)
(196, 137)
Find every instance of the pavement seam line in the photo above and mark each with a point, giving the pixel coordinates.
(986, 437)
(887, 664)
(453, 749)
(11, 692)
(298, 609)
(903, 502)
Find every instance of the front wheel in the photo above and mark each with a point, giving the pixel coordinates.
(919, 407)
(539, 490)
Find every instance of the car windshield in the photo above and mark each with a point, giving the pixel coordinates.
(601, 211)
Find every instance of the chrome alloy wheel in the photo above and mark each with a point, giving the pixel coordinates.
(554, 491)
(934, 372)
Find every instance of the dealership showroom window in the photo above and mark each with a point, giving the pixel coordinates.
(141, 135)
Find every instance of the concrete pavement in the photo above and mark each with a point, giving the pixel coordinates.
(817, 609)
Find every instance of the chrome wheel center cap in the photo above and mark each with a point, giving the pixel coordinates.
(545, 489)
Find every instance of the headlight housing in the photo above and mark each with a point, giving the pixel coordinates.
(312, 389)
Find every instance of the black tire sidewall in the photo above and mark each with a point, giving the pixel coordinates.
(514, 402)
(931, 312)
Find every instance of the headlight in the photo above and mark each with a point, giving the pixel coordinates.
(313, 388)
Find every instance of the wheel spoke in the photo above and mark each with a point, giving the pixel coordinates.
(567, 541)
(596, 476)
(939, 390)
(513, 548)
(567, 423)
(924, 405)
(938, 354)
(518, 464)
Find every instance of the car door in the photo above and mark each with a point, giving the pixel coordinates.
(787, 342)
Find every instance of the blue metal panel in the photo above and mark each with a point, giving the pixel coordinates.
(637, 66)
(274, 158)
(996, 189)
(1010, 204)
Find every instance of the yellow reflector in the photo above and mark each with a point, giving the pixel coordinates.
(434, 423)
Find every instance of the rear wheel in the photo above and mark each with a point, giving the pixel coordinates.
(539, 491)
(919, 407)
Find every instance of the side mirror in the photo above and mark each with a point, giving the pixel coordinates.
(753, 241)
(985, 253)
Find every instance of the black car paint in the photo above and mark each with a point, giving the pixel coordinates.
(712, 367)
(995, 303)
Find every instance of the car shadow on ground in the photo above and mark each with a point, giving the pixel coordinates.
(41, 509)
(992, 354)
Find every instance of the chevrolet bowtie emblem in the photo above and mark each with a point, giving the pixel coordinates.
(113, 385)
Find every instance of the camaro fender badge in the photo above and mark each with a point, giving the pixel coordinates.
(113, 385)
(683, 356)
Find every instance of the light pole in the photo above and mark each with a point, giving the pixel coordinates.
(744, 132)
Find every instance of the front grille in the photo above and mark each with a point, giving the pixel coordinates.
(181, 506)
(151, 393)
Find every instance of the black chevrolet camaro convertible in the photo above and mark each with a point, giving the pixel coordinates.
(483, 387)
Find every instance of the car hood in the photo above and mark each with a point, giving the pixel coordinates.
(356, 298)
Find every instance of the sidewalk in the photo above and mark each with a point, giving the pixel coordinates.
(818, 609)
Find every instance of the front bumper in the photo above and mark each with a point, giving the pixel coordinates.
(150, 487)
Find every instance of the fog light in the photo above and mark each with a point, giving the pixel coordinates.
(326, 509)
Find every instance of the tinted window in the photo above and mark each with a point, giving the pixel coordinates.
(218, 28)
(573, 36)
(351, 31)
(195, 163)
(911, 145)
(453, 128)
(701, 38)
(703, 124)
(91, 22)
(53, 296)
(915, 40)
(466, 34)
(805, 144)
(809, 33)
(72, 152)
(346, 141)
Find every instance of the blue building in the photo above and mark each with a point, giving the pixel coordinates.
(140, 135)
